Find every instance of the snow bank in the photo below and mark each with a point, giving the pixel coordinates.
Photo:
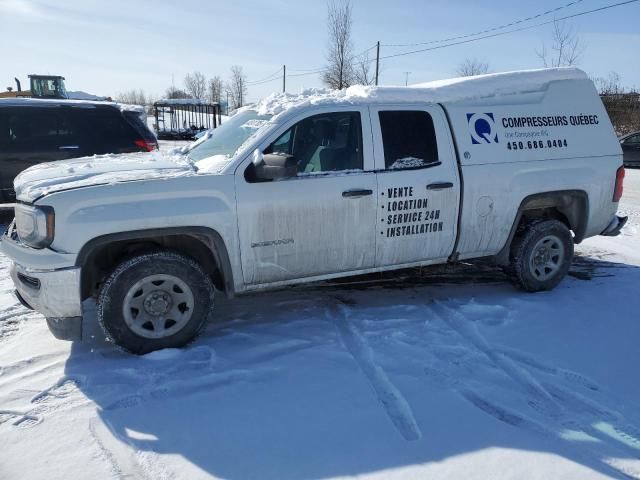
(441, 91)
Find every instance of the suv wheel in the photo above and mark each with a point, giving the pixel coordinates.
(541, 255)
(156, 300)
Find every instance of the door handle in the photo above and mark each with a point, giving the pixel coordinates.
(357, 192)
(69, 147)
(439, 185)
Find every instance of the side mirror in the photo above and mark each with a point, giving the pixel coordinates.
(275, 166)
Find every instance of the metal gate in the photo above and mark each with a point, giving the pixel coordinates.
(183, 118)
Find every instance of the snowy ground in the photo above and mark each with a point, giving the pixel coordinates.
(446, 374)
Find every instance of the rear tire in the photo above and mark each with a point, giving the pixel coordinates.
(156, 300)
(541, 255)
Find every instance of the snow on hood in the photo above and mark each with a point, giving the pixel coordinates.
(441, 91)
(46, 178)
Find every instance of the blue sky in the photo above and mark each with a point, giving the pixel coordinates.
(105, 47)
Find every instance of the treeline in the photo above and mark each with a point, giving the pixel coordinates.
(231, 93)
(623, 105)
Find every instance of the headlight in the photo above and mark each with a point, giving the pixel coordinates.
(35, 225)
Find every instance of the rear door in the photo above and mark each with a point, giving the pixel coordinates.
(418, 185)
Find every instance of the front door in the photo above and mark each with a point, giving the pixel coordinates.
(321, 221)
(418, 185)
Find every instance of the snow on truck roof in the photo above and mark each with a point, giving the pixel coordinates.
(441, 91)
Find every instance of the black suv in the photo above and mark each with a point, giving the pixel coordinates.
(34, 131)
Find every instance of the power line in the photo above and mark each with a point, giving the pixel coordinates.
(501, 27)
(463, 39)
(528, 27)
(268, 78)
(315, 71)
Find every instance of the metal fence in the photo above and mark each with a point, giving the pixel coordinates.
(182, 119)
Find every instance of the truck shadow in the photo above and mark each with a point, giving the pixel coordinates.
(382, 372)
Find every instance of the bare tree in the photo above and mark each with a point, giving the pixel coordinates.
(362, 71)
(215, 89)
(471, 67)
(622, 104)
(612, 85)
(173, 92)
(339, 73)
(566, 47)
(237, 87)
(132, 97)
(195, 84)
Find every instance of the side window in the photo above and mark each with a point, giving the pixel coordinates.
(409, 139)
(4, 129)
(42, 126)
(634, 141)
(108, 129)
(327, 142)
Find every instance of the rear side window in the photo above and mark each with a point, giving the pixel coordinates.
(409, 139)
(138, 125)
(633, 140)
(37, 125)
(108, 129)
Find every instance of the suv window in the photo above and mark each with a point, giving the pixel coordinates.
(44, 126)
(409, 139)
(633, 140)
(327, 142)
(107, 127)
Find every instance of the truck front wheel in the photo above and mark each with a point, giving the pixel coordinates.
(155, 300)
(541, 255)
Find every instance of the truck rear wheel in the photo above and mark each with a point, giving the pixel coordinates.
(155, 300)
(541, 255)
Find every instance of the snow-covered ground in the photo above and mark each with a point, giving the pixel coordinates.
(420, 374)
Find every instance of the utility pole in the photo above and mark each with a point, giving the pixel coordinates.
(227, 102)
(284, 78)
(406, 78)
(377, 61)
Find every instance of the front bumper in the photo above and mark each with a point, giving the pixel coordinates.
(614, 227)
(53, 293)
(48, 282)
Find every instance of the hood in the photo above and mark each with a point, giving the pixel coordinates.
(47, 178)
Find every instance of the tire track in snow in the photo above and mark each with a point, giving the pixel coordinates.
(572, 411)
(22, 419)
(118, 456)
(529, 361)
(542, 399)
(520, 421)
(394, 403)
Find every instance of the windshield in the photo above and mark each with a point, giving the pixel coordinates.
(228, 137)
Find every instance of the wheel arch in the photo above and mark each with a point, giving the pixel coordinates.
(569, 206)
(98, 256)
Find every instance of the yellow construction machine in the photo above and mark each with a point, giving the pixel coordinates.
(42, 86)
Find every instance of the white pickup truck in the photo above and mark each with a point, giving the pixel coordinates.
(516, 167)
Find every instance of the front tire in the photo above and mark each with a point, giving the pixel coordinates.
(541, 255)
(155, 300)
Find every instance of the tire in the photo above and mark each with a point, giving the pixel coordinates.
(541, 255)
(155, 300)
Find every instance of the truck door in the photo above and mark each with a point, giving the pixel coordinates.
(321, 221)
(418, 185)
